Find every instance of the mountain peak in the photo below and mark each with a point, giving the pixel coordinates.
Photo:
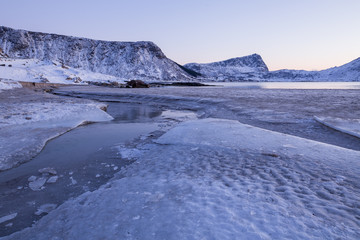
(246, 68)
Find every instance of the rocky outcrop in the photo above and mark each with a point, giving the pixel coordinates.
(127, 60)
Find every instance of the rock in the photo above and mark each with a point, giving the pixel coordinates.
(52, 179)
(38, 184)
(77, 80)
(137, 84)
(49, 170)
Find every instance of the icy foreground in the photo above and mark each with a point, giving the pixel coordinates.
(29, 120)
(219, 179)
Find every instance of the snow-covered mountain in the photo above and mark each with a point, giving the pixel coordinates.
(346, 72)
(246, 68)
(127, 60)
(253, 68)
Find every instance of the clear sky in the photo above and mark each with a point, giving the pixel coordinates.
(295, 34)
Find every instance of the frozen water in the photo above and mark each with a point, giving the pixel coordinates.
(219, 179)
(8, 217)
(349, 126)
(45, 208)
(38, 184)
(52, 179)
(29, 120)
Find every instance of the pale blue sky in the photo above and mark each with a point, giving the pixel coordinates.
(296, 34)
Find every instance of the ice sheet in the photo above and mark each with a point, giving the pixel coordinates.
(25, 127)
(219, 179)
(349, 126)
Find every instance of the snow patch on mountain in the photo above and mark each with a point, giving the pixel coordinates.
(34, 70)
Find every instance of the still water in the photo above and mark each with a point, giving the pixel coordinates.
(288, 85)
(84, 159)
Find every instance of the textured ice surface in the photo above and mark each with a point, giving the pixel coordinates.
(219, 179)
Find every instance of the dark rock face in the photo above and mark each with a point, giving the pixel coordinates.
(137, 84)
(127, 60)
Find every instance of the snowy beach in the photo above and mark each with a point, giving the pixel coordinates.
(246, 164)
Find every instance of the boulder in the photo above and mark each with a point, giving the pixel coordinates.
(137, 84)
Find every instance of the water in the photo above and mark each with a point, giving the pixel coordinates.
(288, 85)
(84, 159)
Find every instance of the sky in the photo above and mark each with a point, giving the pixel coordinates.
(288, 34)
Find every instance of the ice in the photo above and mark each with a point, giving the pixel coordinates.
(38, 184)
(216, 179)
(49, 170)
(348, 126)
(29, 120)
(32, 178)
(52, 179)
(8, 217)
(45, 208)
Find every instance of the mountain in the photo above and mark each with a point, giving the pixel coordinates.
(253, 68)
(246, 68)
(127, 60)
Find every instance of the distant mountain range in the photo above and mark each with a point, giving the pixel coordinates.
(253, 68)
(146, 61)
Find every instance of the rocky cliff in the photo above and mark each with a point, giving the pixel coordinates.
(128, 60)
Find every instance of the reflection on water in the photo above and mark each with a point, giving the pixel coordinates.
(132, 112)
(289, 85)
(84, 159)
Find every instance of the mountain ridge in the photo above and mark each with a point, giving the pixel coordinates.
(142, 60)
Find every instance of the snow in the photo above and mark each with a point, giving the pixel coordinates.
(28, 121)
(349, 126)
(125, 60)
(8, 84)
(34, 70)
(219, 179)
